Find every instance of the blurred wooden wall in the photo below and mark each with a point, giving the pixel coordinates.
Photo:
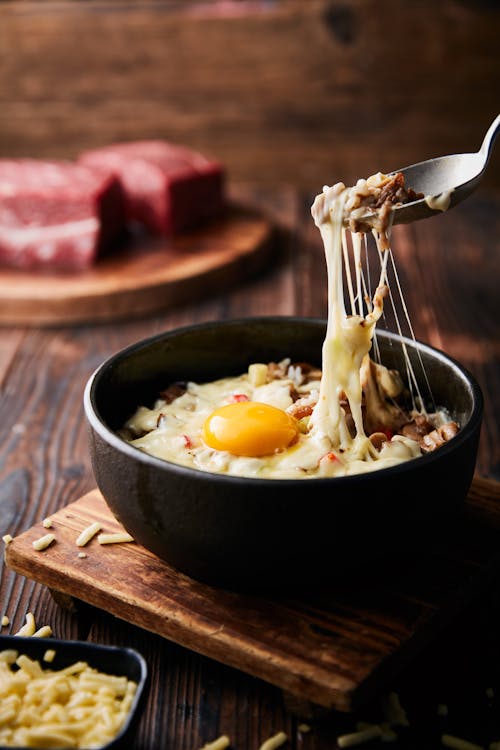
(306, 91)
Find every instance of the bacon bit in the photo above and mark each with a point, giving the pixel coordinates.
(331, 457)
(237, 397)
(188, 443)
(301, 408)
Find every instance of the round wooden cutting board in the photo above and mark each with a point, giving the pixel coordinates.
(144, 276)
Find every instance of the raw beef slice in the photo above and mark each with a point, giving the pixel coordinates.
(56, 214)
(168, 188)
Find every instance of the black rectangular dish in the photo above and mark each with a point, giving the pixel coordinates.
(110, 660)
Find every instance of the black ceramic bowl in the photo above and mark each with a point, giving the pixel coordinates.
(112, 660)
(240, 532)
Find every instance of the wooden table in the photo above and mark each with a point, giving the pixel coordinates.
(449, 268)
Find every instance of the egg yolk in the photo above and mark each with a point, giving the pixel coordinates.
(249, 428)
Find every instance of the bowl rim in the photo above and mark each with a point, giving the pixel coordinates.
(98, 424)
(28, 644)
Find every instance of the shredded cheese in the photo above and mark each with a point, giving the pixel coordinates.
(73, 707)
(29, 628)
(358, 738)
(273, 742)
(7, 539)
(88, 533)
(394, 712)
(118, 538)
(219, 744)
(44, 632)
(457, 743)
(43, 542)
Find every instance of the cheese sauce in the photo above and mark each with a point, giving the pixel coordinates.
(174, 432)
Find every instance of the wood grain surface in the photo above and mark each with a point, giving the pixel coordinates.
(143, 276)
(332, 647)
(449, 268)
(279, 90)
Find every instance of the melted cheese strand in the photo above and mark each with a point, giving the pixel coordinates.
(419, 355)
(410, 373)
(348, 339)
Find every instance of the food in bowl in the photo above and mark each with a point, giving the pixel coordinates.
(291, 420)
(271, 533)
(259, 424)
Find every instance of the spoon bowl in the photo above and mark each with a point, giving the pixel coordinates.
(445, 180)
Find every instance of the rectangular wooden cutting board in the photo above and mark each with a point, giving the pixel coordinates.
(333, 648)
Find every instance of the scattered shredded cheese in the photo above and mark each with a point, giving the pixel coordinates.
(5, 621)
(386, 733)
(49, 655)
(88, 533)
(219, 744)
(47, 523)
(82, 555)
(43, 542)
(457, 743)
(29, 627)
(7, 539)
(394, 712)
(304, 728)
(44, 632)
(118, 538)
(357, 738)
(273, 742)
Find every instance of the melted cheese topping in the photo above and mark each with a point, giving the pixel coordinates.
(439, 202)
(174, 432)
(224, 426)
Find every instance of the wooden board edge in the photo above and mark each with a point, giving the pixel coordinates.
(219, 649)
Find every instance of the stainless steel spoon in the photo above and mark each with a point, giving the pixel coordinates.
(454, 177)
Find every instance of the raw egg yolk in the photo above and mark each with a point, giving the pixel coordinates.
(249, 428)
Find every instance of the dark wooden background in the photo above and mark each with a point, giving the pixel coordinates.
(290, 95)
(302, 91)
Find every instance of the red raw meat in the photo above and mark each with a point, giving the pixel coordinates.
(168, 188)
(56, 214)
